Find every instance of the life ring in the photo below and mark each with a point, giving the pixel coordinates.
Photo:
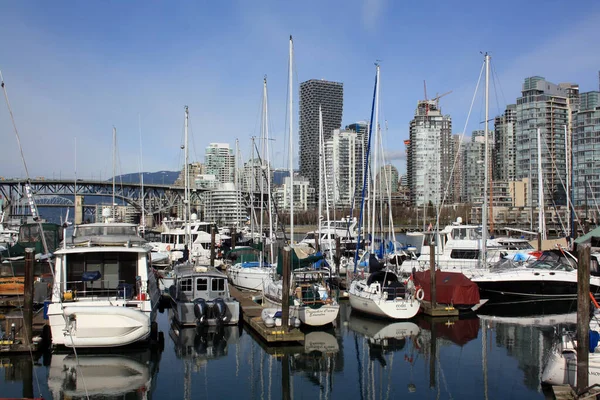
(168, 247)
(420, 294)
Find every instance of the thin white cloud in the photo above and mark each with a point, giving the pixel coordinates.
(372, 10)
(393, 155)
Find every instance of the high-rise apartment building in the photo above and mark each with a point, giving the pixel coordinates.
(340, 167)
(473, 177)
(504, 155)
(586, 150)
(429, 159)
(362, 137)
(388, 178)
(219, 161)
(330, 97)
(457, 168)
(545, 106)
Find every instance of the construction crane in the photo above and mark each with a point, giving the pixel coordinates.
(436, 98)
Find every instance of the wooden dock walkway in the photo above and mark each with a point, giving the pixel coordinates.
(19, 345)
(440, 310)
(251, 314)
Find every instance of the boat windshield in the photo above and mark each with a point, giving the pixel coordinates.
(554, 261)
(96, 230)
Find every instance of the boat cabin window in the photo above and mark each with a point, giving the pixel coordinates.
(114, 269)
(465, 254)
(218, 285)
(202, 284)
(310, 236)
(459, 233)
(594, 267)
(31, 234)
(95, 230)
(186, 285)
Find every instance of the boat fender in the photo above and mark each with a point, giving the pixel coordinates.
(269, 322)
(200, 311)
(420, 294)
(220, 310)
(168, 247)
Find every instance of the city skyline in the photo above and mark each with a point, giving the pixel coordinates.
(73, 70)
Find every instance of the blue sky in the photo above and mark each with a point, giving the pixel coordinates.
(73, 69)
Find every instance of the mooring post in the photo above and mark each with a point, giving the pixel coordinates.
(433, 355)
(338, 255)
(539, 237)
(28, 296)
(212, 246)
(285, 377)
(233, 238)
(285, 292)
(432, 275)
(583, 315)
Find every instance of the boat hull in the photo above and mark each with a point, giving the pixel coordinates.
(323, 315)
(523, 288)
(94, 324)
(249, 278)
(398, 308)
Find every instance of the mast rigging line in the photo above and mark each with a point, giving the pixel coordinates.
(454, 164)
(43, 236)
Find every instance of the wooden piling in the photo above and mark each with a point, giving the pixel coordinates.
(583, 316)
(285, 292)
(432, 274)
(212, 246)
(539, 238)
(433, 356)
(233, 238)
(338, 255)
(28, 296)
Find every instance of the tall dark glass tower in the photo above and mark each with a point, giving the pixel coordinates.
(330, 96)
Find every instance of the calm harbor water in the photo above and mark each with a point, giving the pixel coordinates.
(483, 357)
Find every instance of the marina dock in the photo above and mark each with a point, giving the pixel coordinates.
(251, 314)
(439, 310)
(19, 344)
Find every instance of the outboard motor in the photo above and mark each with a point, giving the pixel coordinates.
(200, 309)
(220, 310)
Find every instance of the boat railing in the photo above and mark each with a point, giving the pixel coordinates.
(99, 290)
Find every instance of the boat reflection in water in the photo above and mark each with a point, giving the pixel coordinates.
(102, 375)
(383, 336)
(202, 345)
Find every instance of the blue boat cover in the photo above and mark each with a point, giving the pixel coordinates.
(594, 337)
(88, 276)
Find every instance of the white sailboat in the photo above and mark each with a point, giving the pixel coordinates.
(312, 302)
(382, 293)
(252, 273)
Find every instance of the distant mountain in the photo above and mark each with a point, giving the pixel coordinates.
(156, 178)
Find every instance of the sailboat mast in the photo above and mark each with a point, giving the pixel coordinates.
(291, 156)
(186, 198)
(142, 176)
(373, 193)
(484, 206)
(567, 192)
(114, 169)
(252, 190)
(268, 157)
(320, 195)
(541, 219)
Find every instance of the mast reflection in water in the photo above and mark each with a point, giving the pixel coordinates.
(492, 357)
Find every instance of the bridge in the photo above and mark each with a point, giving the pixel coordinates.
(61, 193)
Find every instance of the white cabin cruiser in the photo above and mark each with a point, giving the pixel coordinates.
(105, 292)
